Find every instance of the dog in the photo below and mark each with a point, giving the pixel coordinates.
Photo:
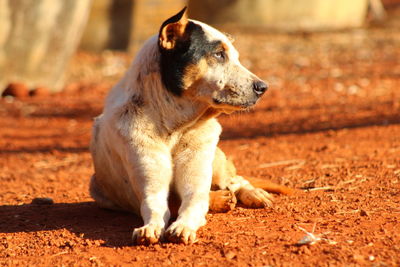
(157, 136)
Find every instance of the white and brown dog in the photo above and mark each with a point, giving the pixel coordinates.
(158, 134)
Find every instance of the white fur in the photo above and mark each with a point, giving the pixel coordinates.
(147, 142)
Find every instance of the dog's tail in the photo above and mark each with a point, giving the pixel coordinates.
(270, 186)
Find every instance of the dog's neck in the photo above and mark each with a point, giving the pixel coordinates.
(175, 113)
(181, 114)
(168, 111)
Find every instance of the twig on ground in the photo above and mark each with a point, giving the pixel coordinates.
(318, 188)
(59, 253)
(347, 182)
(282, 162)
(296, 167)
(329, 166)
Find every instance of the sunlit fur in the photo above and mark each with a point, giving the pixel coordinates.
(149, 141)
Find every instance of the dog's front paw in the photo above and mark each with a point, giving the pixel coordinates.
(255, 197)
(148, 234)
(180, 233)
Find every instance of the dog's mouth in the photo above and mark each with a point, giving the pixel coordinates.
(218, 103)
(232, 98)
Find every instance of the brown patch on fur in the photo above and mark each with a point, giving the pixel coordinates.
(271, 186)
(193, 73)
(172, 32)
(225, 47)
(220, 201)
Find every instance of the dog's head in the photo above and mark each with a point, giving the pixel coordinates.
(199, 61)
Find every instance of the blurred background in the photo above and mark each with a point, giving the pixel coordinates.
(331, 64)
(38, 38)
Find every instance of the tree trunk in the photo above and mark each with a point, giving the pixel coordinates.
(37, 39)
(282, 15)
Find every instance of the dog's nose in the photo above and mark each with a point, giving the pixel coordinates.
(259, 87)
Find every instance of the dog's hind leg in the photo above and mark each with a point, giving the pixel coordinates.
(101, 200)
(251, 194)
(220, 201)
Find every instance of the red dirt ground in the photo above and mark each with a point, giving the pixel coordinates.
(329, 127)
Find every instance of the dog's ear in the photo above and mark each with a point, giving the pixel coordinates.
(172, 30)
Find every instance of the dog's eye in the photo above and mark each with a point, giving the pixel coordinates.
(220, 55)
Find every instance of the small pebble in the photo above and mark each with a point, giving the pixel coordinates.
(363, 213)
(371, 257)
(42, 201)
(230, 254)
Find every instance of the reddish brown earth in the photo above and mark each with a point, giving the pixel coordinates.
(329, 127)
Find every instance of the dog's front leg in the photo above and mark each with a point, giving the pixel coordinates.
(153, 178)
(193, 174)
(192, 181)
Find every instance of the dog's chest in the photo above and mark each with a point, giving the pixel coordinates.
(176, 142)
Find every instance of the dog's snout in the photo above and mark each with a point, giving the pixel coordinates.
(259, 87)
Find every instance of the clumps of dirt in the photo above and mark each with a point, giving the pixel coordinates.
(329, 127)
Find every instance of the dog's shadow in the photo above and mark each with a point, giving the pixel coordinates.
(113, 227)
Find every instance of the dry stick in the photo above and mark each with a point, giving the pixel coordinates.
(348, 181)
(59, 253)
(347, 212)
(280, 163)
(320, 188)
(295, 167)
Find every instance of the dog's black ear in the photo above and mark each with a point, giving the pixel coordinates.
(172, 30)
